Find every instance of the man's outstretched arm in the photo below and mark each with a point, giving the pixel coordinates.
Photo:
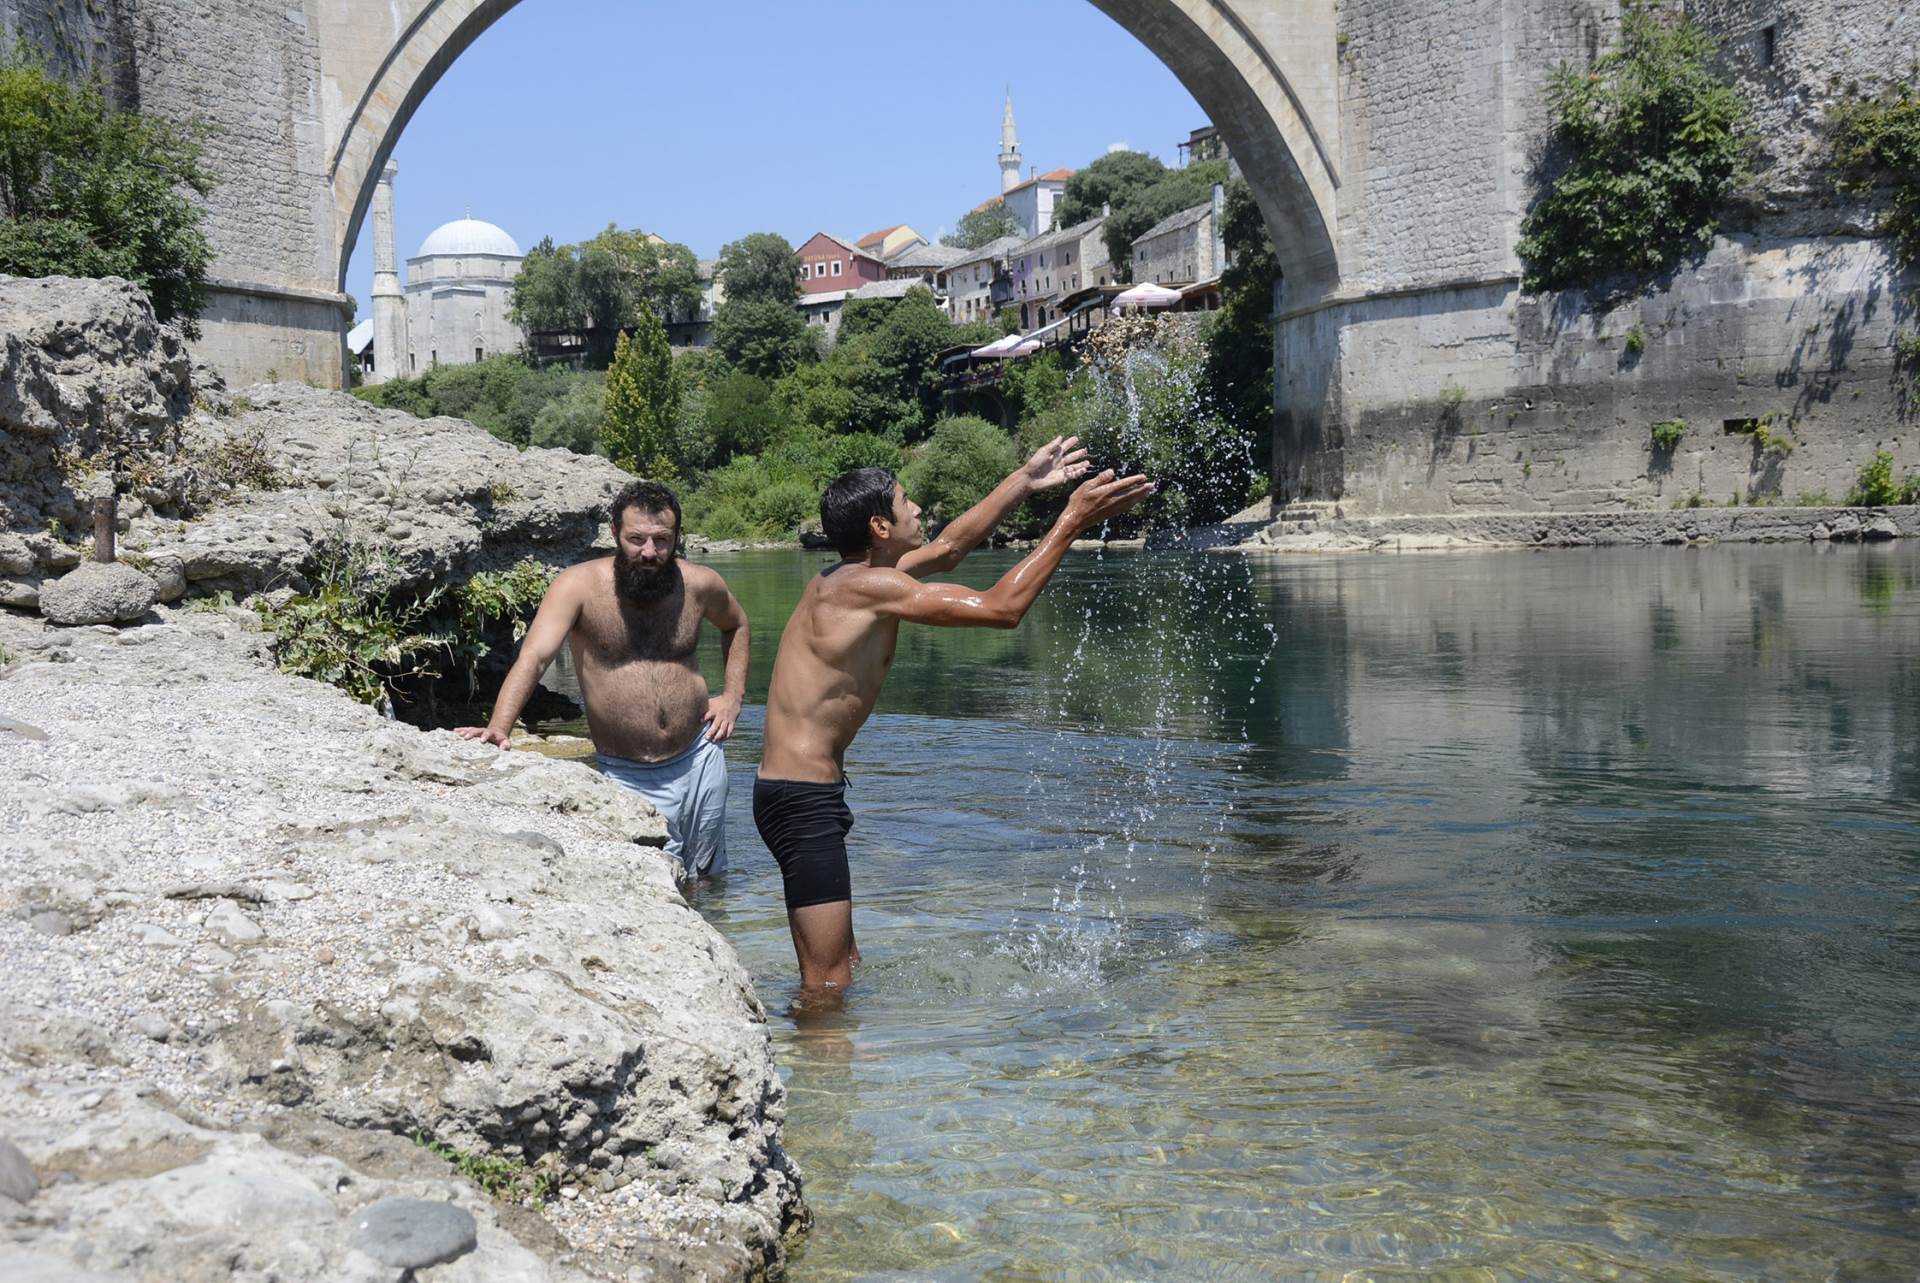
(1006, 603)
(1055, 463)
(558, 612)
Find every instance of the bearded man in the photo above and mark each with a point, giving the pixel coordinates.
(634, 622)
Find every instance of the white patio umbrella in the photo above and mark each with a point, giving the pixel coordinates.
(1145, 294)
(1002, 346)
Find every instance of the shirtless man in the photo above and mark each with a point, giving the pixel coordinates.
(838, 646)
(634, 621)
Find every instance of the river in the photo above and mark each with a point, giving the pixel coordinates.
(1507, 915)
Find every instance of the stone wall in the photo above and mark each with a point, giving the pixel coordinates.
(1428, 383)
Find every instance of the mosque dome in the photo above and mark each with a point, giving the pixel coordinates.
(465, 236)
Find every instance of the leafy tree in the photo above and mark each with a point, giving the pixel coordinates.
(642, 402)
(760, 268)
(1114, 179)
(1649, 142)
(983, 226)
(742, 416)
(761, 337)
(603, 285)
(544, 293)
(89, 191)
(572, 421)
(905, 346)
(1238, 370)
(1140, 191)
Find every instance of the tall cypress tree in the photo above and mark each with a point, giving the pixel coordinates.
(643, 401)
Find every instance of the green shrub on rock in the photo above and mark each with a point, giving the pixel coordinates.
(1877, 142)
(1874, 486)
(89, 191)
(1650, 140)
(1667, 433)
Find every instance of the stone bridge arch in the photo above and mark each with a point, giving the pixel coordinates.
(1261, 70)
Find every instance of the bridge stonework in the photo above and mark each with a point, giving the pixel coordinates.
(1391, 144)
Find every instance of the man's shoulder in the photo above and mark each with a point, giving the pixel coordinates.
(700, 578)
(582, 575)
(852, 584)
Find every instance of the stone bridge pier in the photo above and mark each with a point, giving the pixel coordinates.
(1392, 145)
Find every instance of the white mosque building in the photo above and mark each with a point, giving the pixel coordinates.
(453, 308)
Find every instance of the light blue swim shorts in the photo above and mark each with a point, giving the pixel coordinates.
(690, 791)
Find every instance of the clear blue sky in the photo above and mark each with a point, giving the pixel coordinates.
(703, 122)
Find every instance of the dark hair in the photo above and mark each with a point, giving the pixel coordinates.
(850, 503)
(648, 496)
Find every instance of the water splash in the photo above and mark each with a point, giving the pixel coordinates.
(1162, 707)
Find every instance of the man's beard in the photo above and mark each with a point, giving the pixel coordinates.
(643, 586)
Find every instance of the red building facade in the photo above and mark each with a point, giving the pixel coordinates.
(829, 264)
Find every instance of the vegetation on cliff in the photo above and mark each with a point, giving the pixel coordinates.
(1646, 145)
(86, 190)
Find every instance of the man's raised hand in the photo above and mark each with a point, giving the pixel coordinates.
(1055, 463)
(1105, 496)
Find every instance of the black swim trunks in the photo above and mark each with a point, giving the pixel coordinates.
(805, 825)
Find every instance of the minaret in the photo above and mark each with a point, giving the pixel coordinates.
(1009, 149)
(389, 300)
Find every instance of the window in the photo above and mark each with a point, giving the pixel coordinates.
(1768, 35)
(479, 355)
(819, 269)
(836, 267)
(413, 361)
(1043, 260)
(1066, 259)
(976, 275)
(433, 357)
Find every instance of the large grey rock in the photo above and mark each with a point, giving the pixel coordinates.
(487, 947)
(146, 1195)
(17, 1180)
(96, 592)
(85, 369)
(413, 1233)
(444, 498)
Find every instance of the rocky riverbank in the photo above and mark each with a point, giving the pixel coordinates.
(257, 937)
(1325, 532)
(295, 991)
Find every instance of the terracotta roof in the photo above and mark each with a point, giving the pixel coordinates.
(875, 238)
(1051, 176)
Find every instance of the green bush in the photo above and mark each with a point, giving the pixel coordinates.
(502, 394)
(1667, 433)
(89, 191)
(1878, 142)
(571, 421)
(782, 506)
(959, 466)
(353, 628)
(860, 450)
(1650, 139)
(1874, 486)
(725, 522)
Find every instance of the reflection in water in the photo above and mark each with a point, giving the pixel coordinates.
(1489, 916)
